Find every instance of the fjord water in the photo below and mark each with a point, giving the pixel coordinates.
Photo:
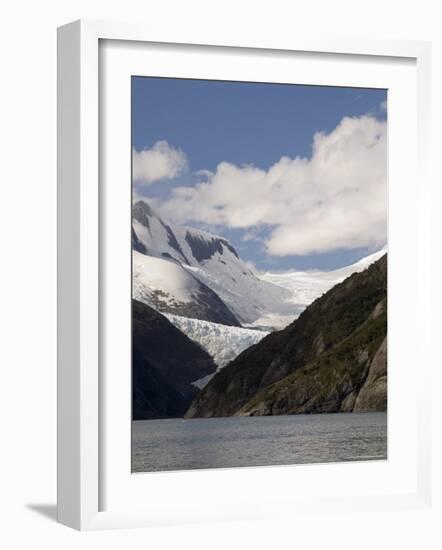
(188, 444)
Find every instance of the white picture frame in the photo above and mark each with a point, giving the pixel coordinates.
(82, 468)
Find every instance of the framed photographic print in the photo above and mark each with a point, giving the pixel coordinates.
(246, 342)
(235, 246)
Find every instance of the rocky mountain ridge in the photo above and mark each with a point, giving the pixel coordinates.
(211, 260)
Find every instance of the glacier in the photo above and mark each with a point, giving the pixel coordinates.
(222, 342)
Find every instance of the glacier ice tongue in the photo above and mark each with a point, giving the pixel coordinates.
(223, 342)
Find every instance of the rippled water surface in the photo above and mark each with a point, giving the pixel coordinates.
(177, 444)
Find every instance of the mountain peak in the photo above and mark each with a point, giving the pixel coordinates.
(142, 211)
(211, 259)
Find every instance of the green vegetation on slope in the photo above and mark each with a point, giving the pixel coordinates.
(325, 324)
(331, 383)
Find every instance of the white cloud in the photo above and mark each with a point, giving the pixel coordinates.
(335, 199)
(384, 105)
(248, 236)
(204, 174)
(160, 162)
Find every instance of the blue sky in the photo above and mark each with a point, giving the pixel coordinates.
(254, 125)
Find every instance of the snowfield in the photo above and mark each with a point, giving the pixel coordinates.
(249, 297)
(167, 287)
(306, 286)
(167, 279)
(222, 342)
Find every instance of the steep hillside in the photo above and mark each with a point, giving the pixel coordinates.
(325, 324)
(152, 395)
(165, 363)
(169, 288)
(373, 394)
(333, 382)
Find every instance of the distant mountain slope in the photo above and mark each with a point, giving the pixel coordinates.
(306, 286)
(165, 363)
(169, 288)
(324, 325)
(213, 261)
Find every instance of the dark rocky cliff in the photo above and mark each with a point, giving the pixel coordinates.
(164, 364)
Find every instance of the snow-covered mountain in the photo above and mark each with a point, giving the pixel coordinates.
(169, 288)
(213, 261)
(222, 342)
(193, 273)
(306, 286)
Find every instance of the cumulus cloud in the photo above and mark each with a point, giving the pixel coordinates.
(335, 199)
(160, 162)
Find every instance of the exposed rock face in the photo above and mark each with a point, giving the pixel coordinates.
(331, 359)
(165, 362)
(206, 305)
(229, 291)
(144, 214)
(137, 244)
(204, 248)
(349, 378)
(169, 288)
(373, 394)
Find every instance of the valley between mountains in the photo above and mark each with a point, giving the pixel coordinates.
(211, 338)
